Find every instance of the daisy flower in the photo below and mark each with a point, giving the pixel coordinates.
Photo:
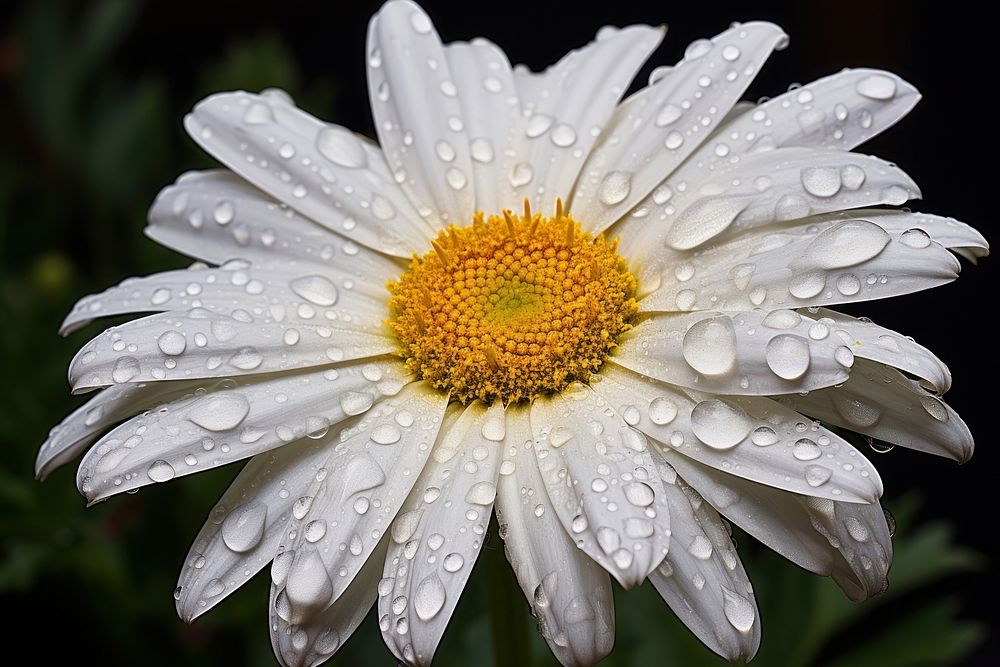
(604, 319)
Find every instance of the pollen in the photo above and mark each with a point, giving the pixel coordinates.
(512, 306)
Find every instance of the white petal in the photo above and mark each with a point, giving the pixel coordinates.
(702, 578)
(567, 107)
(597, 471)
(326, 177)
(812, 263)
(217, 346)
(313, 641)
(357, 496)
(656, 130)
(230, 420)
(490, 116)
(949, 232)
(833, 112)
(81, 427)
(751, 352)
(438, 534)
(847, 541)
(747, 436)
(185, 217)
(870, 341)
(413, 95)
(569, 594)
(245, 527)
(778, 185)
(293, 298)
(881, 402)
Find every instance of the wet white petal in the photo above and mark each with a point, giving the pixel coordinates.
(413, 95)
(328, 177)
(775, 186)
(107, 407)
(653, 132)
(438, 535)
(569, 594)
(747, 436)
(490, 119)
(186, 217)
(871, 341)
(217, 345)
(815, 533)
(598, 475)
(815, 263)
(702, 577)
(244, 528)
(354, 500)
(881, 402)
(734, 353)
(313, 641)
(567, 107)
(229, 420)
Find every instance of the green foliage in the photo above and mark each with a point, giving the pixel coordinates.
(92, 144)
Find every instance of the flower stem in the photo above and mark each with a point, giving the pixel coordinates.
(508, 609)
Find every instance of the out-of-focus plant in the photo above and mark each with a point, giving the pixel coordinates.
(88, 146)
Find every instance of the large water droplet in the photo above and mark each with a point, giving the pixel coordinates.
(738, 610)
(877, 87)
(340, 146)
(615, 187)
(429, 597)
(821, 181)
(787, 356)
(662, 410)
(220, 412)
(481, 493)
(315, 289)
(709, 346)
(355, 402)
(160, 471)
(244, 526)
(720, 425)
(703, 220)
(308, 584)
(172, 343)
(846, 244)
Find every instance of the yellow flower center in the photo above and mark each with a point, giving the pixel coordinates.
(512, 307)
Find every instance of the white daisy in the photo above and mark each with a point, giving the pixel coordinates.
(639, 351)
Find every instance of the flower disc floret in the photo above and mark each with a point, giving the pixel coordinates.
(512, 307)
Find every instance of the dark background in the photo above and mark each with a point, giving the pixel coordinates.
(91, 100)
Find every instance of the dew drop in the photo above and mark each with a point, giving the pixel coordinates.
(429, 597)
(315, 289)
(720, 425)
(709, 346)
(219, 412)
(243, 527)
(787, 356)
(877, 87)
(615, 187)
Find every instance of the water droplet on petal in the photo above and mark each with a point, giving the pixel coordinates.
(877, 87)
(160, 471)
(429, 597)
(340, 146)
(220, 412)
(709, 346)
(615, 187)
(738, 610)
(720, 425)
(243, 527)
(315, 289)
(787, 356)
